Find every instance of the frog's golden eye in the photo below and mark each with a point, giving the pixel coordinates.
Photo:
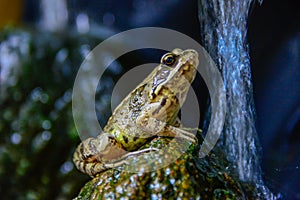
(169, 59)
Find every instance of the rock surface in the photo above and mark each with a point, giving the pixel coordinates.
(187, 178)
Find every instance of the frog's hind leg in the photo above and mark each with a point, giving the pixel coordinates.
(86, 154)
(96, 167)
(123, 160)
(95, 155)
(93, 168)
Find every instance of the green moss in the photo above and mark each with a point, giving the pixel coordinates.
(181, 179)
(32, 155)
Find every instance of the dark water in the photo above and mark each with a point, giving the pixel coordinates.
(223, 27)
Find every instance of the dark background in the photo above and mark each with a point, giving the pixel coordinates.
(274, 34)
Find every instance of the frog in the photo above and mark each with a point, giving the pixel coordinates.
(149, 111)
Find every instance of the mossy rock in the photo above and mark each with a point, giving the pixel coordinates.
(189, 177)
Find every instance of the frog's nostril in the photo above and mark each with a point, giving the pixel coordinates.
(177, 51)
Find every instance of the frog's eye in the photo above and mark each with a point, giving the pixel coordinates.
(169, 59)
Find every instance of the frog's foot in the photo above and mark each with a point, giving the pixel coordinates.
(171, 131)
(191, 129)
(123, 160)
(96, 163)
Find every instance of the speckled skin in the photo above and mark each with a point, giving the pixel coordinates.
(150, 110)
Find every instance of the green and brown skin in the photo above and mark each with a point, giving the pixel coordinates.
(150, 110)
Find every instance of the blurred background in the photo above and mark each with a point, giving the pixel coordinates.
(43, 44)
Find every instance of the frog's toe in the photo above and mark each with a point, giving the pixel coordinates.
(191, 137)
(195, 142)
(153, 149)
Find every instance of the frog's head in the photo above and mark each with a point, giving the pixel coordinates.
(174, 75)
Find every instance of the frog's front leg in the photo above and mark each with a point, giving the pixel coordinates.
(95, 155)
(156, 127)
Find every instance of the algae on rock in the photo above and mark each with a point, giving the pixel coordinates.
(186, 178)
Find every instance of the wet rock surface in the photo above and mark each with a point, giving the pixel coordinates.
(187, 178)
